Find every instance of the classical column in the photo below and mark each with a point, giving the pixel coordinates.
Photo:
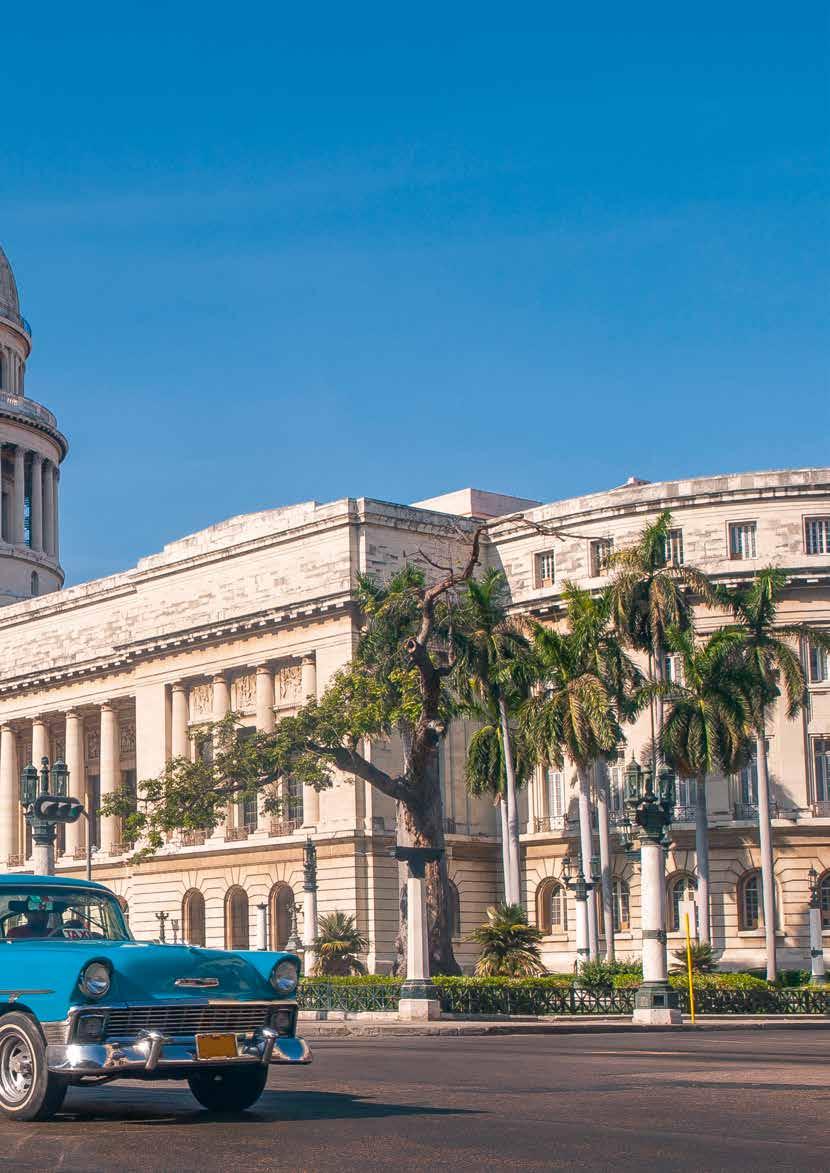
(40, 741)
(37, 501)
(180, 742)
(9, 793)
(110, 780)
(264, 698)
(418, 995)
(262, 927)
(76, 832)
(308, 690)
(56, 529)
(655, 1003)
(48, 508)
(18, 500)
(221, 708)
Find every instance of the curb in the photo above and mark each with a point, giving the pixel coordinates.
(455, 1029)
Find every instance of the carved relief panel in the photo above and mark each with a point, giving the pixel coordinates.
(288, 683)
(201, 702)
(243, 694)
(127, 738)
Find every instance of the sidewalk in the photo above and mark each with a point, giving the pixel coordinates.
(388, 1026)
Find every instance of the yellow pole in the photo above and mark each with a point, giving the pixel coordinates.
(689, 966)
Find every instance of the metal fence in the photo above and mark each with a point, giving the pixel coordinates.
(497, 998)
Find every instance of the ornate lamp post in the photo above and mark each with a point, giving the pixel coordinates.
(310, 928)
(581, 886)
(45, 806)
(655, 1002)
(817, 966)
(161, 917)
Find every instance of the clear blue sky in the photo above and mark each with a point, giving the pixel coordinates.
(273, 252)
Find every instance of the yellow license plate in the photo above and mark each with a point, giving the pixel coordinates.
(216, 1046)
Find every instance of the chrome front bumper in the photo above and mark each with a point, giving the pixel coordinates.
(153, 1051)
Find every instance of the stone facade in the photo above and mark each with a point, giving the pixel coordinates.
(257, 613)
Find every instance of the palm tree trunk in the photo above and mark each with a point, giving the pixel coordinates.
(586, 840)
(767, 861)
(702, 852)
(604, 827)
(505, 847)
(659, 676)
(515, 895)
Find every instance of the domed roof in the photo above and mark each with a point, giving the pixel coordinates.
(9, 301)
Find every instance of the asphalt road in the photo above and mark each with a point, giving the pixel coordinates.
(721, 1101)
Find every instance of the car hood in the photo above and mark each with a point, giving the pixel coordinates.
(142, 971)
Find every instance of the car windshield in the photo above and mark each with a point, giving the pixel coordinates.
(68, 914)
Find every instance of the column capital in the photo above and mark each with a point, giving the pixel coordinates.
(308, 658)
(37, 457)
(219, 677)
(179, 685)
(264, 666)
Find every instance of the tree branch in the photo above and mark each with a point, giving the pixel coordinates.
(351, 762)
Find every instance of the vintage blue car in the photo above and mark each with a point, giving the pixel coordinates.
(82, 1002)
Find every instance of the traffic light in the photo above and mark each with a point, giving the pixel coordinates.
(57, 809)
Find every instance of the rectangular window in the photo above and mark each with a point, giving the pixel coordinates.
(601, 551)
(821, 764)
(674, 547)
(742, 542)
(545, 568)
(672, 670)
(819, 666)
(93, 789)
(817, 535)
(294, 804)
(555, 791)
(616, 788)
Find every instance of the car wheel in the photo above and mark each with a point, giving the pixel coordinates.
(27, 1090)
(228, 1091)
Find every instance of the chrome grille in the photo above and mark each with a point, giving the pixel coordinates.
(187, 1020)
(54, 1032)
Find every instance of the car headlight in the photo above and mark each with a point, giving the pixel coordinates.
(95, 979)
(284, 978)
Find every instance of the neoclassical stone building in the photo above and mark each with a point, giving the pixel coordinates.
(255, 614)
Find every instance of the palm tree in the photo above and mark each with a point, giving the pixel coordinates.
(589, 621)
(337, 944)
(576, 715)
(493, 674)
(485, 771)
(651, 592)
(770, 652)
(509, 944)
(705, 730)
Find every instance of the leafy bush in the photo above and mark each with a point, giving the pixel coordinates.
(719, 981)
(602, 974)
(787, 978)
(337, 944)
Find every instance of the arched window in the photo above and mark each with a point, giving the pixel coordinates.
(680, 887)
(824, 900)
(551, 907)
(237, 934)
(280, 908)
(750, 902)
(454, 909)
(622, 905)
(193, 918)
(35, 583)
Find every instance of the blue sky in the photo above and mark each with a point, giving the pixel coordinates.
(272, 255)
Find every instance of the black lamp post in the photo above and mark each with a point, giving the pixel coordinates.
(581, 885)
(652, 811)
(45, 802)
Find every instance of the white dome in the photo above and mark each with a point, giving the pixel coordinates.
(9, 301)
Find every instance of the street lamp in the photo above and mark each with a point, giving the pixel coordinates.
(161, 917)
(818, 974)
(45, 802)
(655, 1002)
(310, 926)
(581, 885)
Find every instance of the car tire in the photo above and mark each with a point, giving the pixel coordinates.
(228, 1091)
(27, 1090)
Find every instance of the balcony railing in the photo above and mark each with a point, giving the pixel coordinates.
(23, 406)
(821, 810)
(18, 320)
(550, 823)
(684, 812)
(748, 811)
(235, 834)
(192, 838)
(280, 827)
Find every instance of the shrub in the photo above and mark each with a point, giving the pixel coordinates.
(602, 974)
(703, 960)
(509, 944)
(719, 981)
(337, 944)
(787, 978)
